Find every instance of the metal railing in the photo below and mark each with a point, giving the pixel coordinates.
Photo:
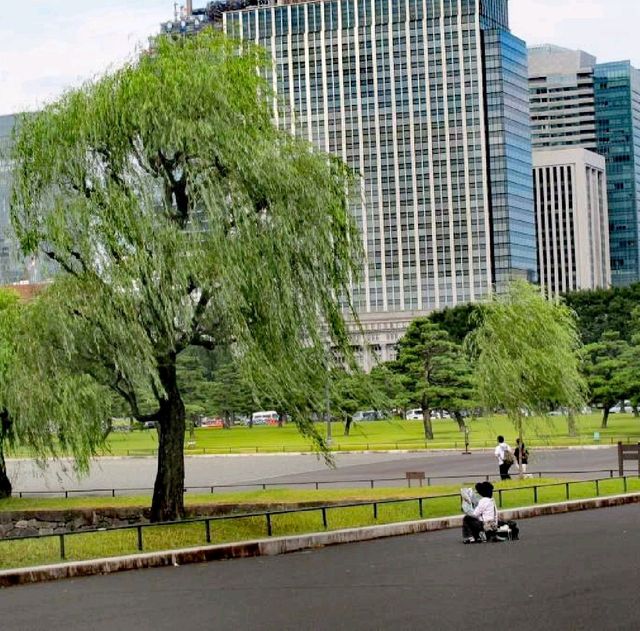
(372, 446)
(371, 483)
(268, 516)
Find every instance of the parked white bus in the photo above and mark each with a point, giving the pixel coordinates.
(268, 417)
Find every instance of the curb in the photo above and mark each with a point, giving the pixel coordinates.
(283, 545)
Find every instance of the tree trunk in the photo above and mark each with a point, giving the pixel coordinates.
(347, 424)
(5, 483)
(459, 420)
(605, 417)
(521, 437)
(168, 491)
(571, 424)
(426, 422)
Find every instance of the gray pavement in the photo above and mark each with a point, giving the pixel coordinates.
(131, 472)
(569, 572)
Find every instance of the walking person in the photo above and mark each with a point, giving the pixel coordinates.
(522, 456)
(504, 454)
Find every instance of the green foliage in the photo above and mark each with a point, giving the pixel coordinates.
(435, 368)
(525, 350)
(180, 216)
(457, 321)
(606, 365)
(603, 310)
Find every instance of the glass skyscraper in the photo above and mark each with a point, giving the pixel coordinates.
(617, 105)
(13, 266)
(427, 100)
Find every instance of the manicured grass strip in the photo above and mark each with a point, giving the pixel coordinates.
(384, 435)
(112, 543)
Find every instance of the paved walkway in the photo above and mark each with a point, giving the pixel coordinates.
(576, 571)
(281, 469)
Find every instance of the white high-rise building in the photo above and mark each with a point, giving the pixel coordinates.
(561, 95)
(427, 100)
(572, 220)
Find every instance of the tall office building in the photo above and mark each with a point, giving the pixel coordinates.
(578, 102)
(14, 267)
(572, 220)
(562, 97)
(427, 100)
(617, 99)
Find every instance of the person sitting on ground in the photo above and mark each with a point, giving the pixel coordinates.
(521, 455)
(504, 454)
(484, 516)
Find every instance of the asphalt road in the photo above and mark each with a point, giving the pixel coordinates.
(283, 469)
(569, 572)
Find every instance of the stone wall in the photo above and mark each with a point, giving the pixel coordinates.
(49, 522)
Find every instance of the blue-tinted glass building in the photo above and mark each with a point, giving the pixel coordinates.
(428, 101)
(14, 268)
(617, 107)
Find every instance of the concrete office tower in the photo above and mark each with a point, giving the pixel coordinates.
(14, 267)
(427, 100)
(617, 98)
(562, 97)
(11, 270)
(572, 220)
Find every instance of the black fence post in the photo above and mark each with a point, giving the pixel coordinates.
(375, 510)
(268, 516)
(139, 529)
(317, 486)
(535, 494)
(420, 507)
(113, 492)
(63, 554)
(597, 488)
(567, 490)
(324, 518)
(624, 479)
(372, 483)
(207, 528)
(500, 498)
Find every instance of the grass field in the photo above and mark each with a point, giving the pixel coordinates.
(104, 544)
(392, 434)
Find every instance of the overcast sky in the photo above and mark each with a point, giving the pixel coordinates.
(49, 45)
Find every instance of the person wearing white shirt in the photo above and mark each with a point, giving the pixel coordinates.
(484, 516)
(504, 454)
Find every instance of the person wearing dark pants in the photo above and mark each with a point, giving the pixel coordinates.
(504, 454)
(483, 518)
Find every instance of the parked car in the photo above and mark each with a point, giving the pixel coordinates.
(414, 415)
(149, 425)
(368, 415)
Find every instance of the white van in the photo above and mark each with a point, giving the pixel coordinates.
(268, 417)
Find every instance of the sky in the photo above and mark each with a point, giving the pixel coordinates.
(47, 46)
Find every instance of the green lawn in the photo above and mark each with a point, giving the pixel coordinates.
(103, 544)
(393, 434)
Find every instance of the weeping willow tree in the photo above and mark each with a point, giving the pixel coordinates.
(179, 216)
(61, 415)
(526, 355)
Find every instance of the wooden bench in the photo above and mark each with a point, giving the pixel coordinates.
(415, 475)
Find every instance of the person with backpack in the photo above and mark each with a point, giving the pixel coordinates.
(504, 454)
(521, 455)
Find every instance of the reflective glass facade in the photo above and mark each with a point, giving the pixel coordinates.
(617, 104)
(13, 267)
(428, 101)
